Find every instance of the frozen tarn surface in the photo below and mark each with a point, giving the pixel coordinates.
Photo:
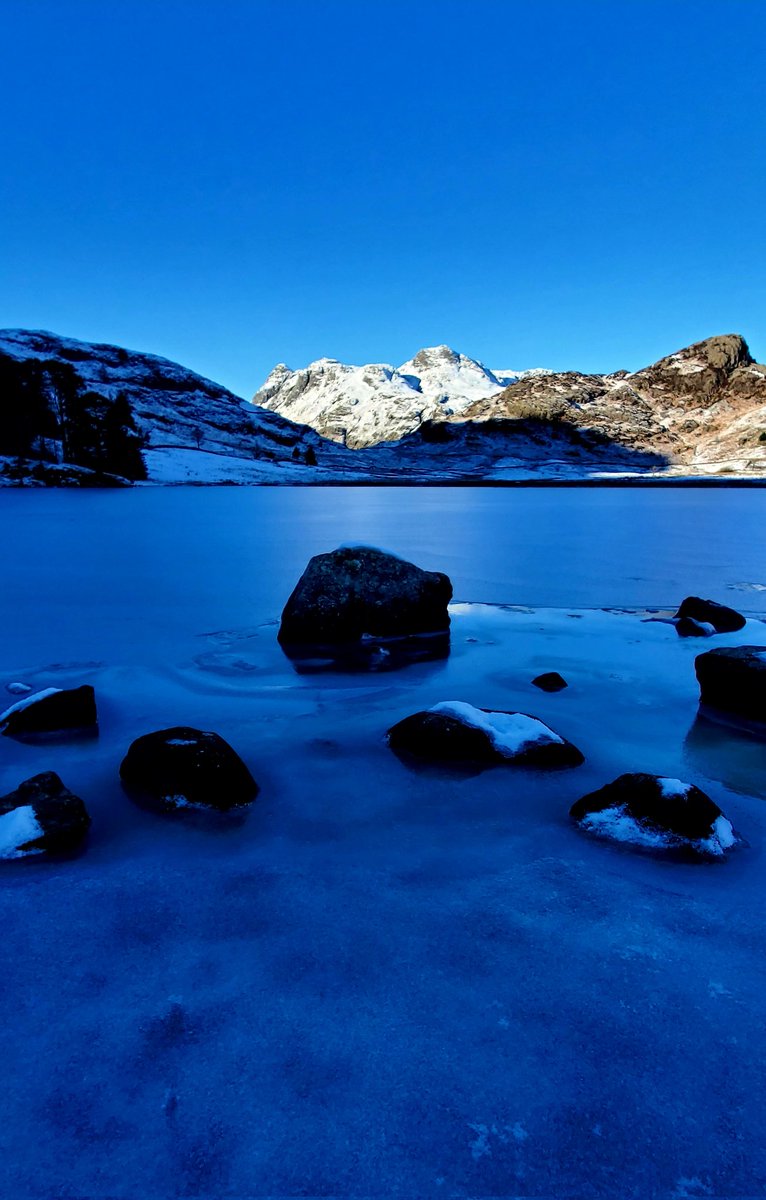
(189, 559)
(509, 733)
(378, 981)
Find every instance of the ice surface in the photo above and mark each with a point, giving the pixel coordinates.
(338, 991)
(18, 827)
(509, 733)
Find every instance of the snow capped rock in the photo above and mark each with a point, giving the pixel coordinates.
(178, 413)
(361, 406)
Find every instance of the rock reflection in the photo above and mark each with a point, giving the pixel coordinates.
(734, 755)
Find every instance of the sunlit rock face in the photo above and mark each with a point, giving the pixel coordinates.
(703, 406)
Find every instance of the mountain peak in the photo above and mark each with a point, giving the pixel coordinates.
(724, 352)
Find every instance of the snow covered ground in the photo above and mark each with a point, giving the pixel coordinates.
(381, 981)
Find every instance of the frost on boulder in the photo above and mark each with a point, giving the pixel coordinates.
(458, 732)
(657, 813)
(733, 680)
(184, 767)
(41, 817)
(362, 597)
(50, 711)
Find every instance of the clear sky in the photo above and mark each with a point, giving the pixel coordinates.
(233, 183)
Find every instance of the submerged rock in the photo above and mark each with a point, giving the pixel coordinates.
(657, 813)
(41, 817)
(709, 612)
(184, 767)
(733, 679)
(351, 593)
(50, 711)
(456, 732)
(550, 681)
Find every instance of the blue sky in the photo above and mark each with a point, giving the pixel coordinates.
(578, 183)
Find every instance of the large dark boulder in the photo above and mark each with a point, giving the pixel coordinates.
(709, 612)
(349, 593)
(184, 767)
(657, 813)
(458, 732)
(733, 679)
(50, 711)
(41, 817)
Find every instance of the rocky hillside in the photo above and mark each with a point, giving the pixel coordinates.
(702, 408)
(76, 412)
(362, 406)
(80, 414)
(699, 411)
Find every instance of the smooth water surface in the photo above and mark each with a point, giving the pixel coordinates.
(88, 574)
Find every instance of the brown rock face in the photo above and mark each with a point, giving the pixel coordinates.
(703, 406)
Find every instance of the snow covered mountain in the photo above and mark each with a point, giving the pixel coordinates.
(362, 406)
(82, 414)
(58, 395)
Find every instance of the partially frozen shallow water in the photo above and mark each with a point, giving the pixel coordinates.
(381, 981)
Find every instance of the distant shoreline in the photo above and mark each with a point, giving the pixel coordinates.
(706, 482)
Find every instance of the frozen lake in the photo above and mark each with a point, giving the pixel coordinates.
(380, 981)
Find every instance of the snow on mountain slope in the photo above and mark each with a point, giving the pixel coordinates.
(702, 407)
(362, 406)
(180, 414)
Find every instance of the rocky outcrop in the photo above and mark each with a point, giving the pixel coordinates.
(701, 410)
(51, 711)
(187, 768)
(703, 407)
(656, 813)
(359, 592)
(733, 680)
(41, 817)
(709, 612)
(457, 732)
